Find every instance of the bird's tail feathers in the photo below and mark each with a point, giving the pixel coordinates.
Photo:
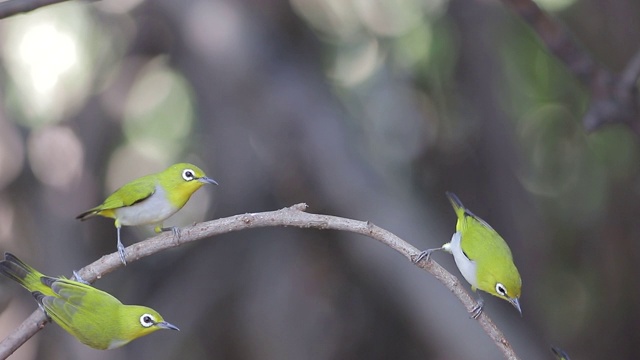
(88, 214)
(462, 211)
(17, 270)
(456, 203)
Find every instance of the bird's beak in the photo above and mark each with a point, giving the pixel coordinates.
(166, 325)
(207, 180)
(516, 304)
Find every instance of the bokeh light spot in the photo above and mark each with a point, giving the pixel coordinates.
(158, 111)
(48, 55)
(11, 153)
(56, 156)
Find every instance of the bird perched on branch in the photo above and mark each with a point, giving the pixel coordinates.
(482, 256)
(151, 199)
(94, 317)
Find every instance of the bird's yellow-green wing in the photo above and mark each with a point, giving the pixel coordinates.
(478, 238)
(80, 321)
(77, 293)
(481, 242)
(82, 310)
(129, 194)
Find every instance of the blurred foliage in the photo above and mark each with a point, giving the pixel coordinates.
(368, 109)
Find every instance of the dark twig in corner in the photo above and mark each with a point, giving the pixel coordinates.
(293, 216)
(14, 7)
(613, 96)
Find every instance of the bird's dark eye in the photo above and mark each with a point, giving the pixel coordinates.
(500, 289)
(147, 320)
(188, 174)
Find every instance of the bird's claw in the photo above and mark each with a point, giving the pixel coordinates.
(477, 309)
(175, 230)
(79, 278)
(122, 253)
(426, 254)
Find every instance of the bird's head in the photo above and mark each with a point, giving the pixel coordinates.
(505, 282)
(182, 180)
(137, 321)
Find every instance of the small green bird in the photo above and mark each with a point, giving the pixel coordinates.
(482, 256)
(151, 199)
(94, 317)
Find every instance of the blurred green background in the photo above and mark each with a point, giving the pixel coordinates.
(368, 109)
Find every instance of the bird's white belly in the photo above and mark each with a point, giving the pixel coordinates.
(153, 210)
(466, 266)
(116, 343)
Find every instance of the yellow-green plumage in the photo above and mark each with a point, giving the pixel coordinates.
(151, 199)
(94, 317)
(482, 256)
(483, 245)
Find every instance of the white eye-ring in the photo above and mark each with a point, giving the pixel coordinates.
(188, 174)
(501, 289)
(147, 320)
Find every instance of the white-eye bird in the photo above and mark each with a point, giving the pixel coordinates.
(151, 199)
(482, 256)
(92, 316)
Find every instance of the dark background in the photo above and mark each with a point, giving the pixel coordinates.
(365, 109)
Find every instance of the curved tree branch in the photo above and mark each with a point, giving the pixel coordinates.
(291, 216)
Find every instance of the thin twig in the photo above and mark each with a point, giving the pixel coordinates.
(14, 7)
(613, 96)
(631, 73)
(292, 216)
(558, 40)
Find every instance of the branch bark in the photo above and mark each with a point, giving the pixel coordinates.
(292, 216)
